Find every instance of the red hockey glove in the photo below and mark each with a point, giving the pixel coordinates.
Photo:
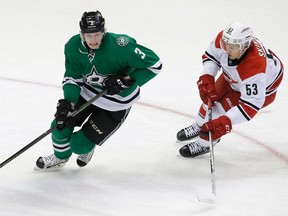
(206, 86)
(218, 127)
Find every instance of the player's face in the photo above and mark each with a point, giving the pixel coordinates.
(93, 40)
(232, 50)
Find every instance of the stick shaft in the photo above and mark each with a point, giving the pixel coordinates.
(212, 161)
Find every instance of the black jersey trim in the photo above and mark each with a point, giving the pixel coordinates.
(243, 113)
(90, 88)
(249, 104)
(213, 58)
(71, 81)
(275, 80)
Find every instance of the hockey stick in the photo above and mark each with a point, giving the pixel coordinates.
(212, 161)
(210, 199)
(73, 114)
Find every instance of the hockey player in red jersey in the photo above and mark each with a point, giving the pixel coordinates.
(250, 76)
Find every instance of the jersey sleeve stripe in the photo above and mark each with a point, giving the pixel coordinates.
(274, 85)
(156, 68)
(71, 80)
(249, 104)
(243, 112)
(212, 58)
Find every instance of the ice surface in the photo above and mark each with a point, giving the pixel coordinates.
(138, 170)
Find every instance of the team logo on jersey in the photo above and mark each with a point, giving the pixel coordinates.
(122, 41)
(95, 79)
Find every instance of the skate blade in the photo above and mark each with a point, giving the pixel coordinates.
(187, 141)
(49, 168)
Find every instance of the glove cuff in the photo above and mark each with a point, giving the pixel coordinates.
(206, 79)
(125, 82)
(226, 123)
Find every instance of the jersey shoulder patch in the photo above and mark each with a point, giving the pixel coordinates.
(122, 41)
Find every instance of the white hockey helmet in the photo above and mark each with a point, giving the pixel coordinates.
(238, 33)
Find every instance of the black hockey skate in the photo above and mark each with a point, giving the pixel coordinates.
(193, 149)
(188, 133)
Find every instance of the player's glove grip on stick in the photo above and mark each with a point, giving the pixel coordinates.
(115, 84)
(218, 127)
(206, 87)
(61, 116)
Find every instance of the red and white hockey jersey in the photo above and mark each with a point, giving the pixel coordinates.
(255, 76)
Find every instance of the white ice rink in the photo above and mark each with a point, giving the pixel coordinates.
(138, 171)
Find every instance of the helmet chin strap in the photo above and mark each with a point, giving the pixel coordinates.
(242, 52)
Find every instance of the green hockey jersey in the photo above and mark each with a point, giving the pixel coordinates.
(86, 69)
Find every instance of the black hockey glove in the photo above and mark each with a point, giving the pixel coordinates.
(61, 116)
(115, 84)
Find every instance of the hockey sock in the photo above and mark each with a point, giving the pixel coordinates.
(80, 144)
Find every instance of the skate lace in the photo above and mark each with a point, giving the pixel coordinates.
(192, 130)
(51, 160)
(86, 157)
(195, 148)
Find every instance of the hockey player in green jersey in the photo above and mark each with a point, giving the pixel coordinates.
(96, 60)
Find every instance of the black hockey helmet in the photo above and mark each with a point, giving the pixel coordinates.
(92, 21)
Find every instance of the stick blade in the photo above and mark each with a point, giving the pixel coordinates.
(210, 199)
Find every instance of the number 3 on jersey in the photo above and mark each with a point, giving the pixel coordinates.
(138, 51)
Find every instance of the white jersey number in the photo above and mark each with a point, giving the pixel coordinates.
(138, 51)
